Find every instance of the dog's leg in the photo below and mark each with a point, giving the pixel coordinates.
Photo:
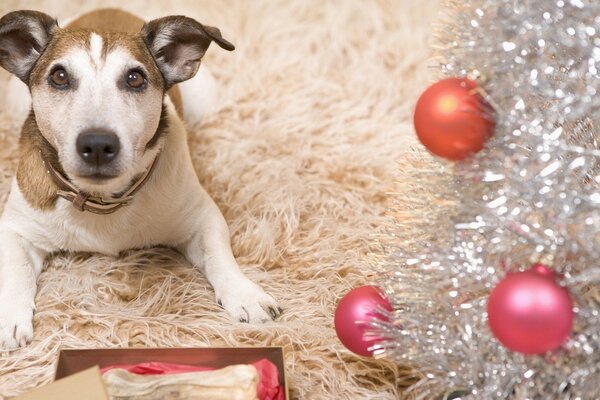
(210, 248)
(20, 266)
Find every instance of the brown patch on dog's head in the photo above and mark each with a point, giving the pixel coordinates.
(108, 20)
(33, 179)
(65, 40)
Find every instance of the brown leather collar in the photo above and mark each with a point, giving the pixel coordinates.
(97, 205)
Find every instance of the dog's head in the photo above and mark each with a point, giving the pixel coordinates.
(98, 97)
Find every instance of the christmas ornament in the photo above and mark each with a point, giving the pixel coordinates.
(452, 120)
(529, 312)
(353, 313)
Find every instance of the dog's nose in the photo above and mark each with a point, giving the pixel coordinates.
(98, 147)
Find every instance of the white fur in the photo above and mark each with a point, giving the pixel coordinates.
(200, 96)
(171, 209)
(17, 100)
(95, 48)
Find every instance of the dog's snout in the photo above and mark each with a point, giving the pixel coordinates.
(98, 147)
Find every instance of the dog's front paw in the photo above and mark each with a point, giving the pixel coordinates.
(247, 302)
(16, 329)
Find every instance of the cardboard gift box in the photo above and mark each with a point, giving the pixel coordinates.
(86, 385)
(78, 371)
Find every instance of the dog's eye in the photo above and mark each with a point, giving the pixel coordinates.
(135, 79)
(59, 78)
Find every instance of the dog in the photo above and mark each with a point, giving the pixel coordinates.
(104, 162)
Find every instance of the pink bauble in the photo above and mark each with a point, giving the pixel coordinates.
(355, 309)
(529, 312)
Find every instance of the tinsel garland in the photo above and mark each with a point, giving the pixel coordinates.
(531, 196)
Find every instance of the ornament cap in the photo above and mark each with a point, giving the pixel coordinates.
(543, 270)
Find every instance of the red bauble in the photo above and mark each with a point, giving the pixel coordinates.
(355, 309)
(452, 120)
(529, 312)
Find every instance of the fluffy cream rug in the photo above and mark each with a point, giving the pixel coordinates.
(315, 122)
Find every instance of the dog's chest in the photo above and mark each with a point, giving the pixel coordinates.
(160, 214)
(136, 226)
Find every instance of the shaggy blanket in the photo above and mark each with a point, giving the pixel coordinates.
(314, 125)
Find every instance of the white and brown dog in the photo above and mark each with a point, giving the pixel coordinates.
(104, 164)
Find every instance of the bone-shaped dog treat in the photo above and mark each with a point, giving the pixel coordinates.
(236, 382)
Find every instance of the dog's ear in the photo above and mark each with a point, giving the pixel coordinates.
(178, 43)
(23, 37)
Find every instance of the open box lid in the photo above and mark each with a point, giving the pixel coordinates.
(86, 384)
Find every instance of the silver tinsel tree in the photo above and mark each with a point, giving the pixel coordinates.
(532, 195)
